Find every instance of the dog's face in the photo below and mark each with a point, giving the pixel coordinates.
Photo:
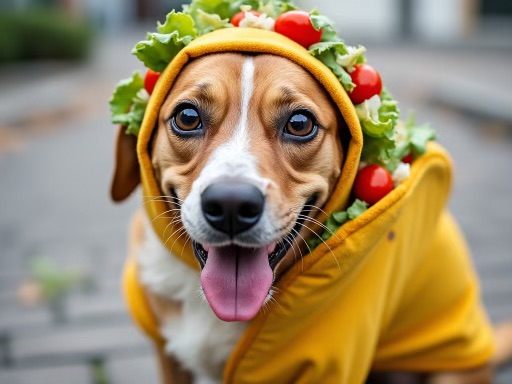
(249, 146)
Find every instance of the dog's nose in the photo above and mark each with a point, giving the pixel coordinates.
(232, 207)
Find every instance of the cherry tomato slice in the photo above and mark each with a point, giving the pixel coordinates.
(238, 17)
(373, 182)
(150, 80)
(368, 83)
(297, 26)
(408, 159)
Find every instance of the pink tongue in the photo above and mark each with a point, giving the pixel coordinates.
(236, 281)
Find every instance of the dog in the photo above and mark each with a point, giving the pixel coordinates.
(246, 151)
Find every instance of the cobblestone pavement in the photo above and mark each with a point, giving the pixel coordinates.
(55, 164)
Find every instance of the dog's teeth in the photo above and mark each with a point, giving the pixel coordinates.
(206, 248)
(271, 248)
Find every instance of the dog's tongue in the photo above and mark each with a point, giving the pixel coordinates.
(236, 281)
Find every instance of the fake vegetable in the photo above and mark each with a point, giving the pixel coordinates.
(150, 80)
(128, 103)
(297, 26)
(367, 81)
(235, 20)
(373, 182)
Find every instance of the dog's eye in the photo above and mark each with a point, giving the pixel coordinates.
(186, 119)
(301, 124)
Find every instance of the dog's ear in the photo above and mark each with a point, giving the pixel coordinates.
(126, 175)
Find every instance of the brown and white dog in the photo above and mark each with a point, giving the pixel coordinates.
(240, 183)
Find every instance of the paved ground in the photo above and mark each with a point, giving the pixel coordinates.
(55, 164)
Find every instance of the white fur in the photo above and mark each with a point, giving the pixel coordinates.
(232, 160)
(197, 338)
(240, 140)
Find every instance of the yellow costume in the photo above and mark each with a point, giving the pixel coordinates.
(397, 291)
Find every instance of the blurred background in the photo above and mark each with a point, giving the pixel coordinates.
(62, 242)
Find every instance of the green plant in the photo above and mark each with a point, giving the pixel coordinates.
(42, 34)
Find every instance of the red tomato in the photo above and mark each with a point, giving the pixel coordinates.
(368, 83)
(150, 80)
(297, 26)
(408, 159)
(238, 17)
(373, 182)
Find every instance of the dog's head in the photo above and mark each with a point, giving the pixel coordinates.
(246, 149)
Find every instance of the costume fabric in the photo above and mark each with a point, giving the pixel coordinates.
(391, 290)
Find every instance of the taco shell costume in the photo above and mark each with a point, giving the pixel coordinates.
(401, 294)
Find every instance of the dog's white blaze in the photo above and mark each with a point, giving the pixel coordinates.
(240, 139)
(231, 160)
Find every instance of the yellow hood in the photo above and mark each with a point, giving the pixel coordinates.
(393, 289)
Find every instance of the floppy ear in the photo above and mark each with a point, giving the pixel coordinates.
(126, 175)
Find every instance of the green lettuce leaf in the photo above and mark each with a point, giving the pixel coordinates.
(177, 21)
(318, 21)
(326, 46)
(136, 114)
(352, 57)
(128, 103)
(419, 135)
(356, 209)
(160, 48)
(409, 138)
(389, 109)
(336, 220)
(381, 122)
(208, 22)
(225, 9)
(340, 217)
(327, 53)
(379, 151)
(274, 8)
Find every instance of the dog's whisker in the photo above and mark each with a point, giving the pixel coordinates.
(184, 246)
(317, 208)
(275, 289)
(174, 221)
(164, 199)
(294, 241)
(182, 233)
(291, 246)
(164, 196)
(312, 208)
(174, 210)
(152, 221)
(181, 230)
(270, 299)
(290, 243)
(161, 201)
(304, 240)
(323, 241)
(314, 221)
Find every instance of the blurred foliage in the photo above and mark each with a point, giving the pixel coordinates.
(54, 280)
(42, 34)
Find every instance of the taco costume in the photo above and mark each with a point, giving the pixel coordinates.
(402, 295)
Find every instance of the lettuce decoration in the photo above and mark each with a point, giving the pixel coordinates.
(386, 140)
(328, 53)
(128, 103)
(161, 47)
(336, 220)
(389, 151)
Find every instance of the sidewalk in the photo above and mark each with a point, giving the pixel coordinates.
(54, 180)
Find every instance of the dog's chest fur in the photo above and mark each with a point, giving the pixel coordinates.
(196, 337)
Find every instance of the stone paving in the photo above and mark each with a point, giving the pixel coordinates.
(55, 164)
